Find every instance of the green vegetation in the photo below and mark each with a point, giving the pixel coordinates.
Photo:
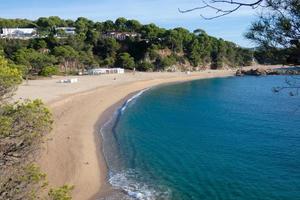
(9, 79)
(277, 33)
(61, 193)
(91, 47)
(23, 126)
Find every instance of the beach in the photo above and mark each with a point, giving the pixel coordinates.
(72, 152)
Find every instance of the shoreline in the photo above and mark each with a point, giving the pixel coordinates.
(71, 155)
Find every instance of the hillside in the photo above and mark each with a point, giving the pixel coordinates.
(53, 45)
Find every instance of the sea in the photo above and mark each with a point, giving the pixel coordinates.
(213, 139)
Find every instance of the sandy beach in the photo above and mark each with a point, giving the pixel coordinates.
(71, 153)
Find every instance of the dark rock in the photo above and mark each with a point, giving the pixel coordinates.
(239, 72)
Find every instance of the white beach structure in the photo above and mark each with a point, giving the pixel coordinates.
(18, 33)
(98, 71)
(70, 80)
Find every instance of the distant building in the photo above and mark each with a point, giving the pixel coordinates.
(120, 35)
(29, 33)
(18, 33)
(98, 71)
(65, 30)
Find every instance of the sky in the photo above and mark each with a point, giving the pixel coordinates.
(164, 13)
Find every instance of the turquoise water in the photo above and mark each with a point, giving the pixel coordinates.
(228, 138)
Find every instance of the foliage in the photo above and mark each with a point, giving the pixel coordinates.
(165, 62)
(22, 182)
(145, 66)
(49, 71)
(90, 47)
(61, 193)
(279, 26)
(22, 128)
(9, 79)
(125, 61)
(277, 32)
(34, 61)
(67, 56)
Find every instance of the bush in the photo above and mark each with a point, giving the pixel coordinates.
(168, 61)
(9, 79)
(61, 193)
(145, 66)
(49, 71)
(125, 61)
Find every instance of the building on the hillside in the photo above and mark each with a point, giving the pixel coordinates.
(29, 33)
(65, 31)
(98, 71)
(120, 35)
(18, 33)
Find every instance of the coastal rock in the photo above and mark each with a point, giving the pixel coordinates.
(264, 72)
(239, 72)
(255, 72)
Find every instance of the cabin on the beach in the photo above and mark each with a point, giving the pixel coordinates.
(18, 33)
(98, 71)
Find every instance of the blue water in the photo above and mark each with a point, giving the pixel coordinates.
(227, 138)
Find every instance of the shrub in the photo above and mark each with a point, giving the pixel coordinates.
(49, 71)
(145, 66)
(61, 193)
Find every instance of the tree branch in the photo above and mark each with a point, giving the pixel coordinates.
(218, 10)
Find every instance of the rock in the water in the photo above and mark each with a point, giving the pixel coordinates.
(239, 72)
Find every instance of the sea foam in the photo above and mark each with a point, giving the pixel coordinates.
(137, 190)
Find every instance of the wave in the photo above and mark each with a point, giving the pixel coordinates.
(128, 181)
(137, 190)
(123, 108)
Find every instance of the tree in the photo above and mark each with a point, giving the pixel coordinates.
(49, 71)
(9, 79)
(22, 127)
(145, 66)
(278, 24)
(34, 60)
(22, 182)
(194, 52)
(279, 28)
(133, 25)
(83, 25)
(121, 24)
(125, 61)
(90, 46)
(216, 5)
(108, 25)
(107, 47)
(67, 57)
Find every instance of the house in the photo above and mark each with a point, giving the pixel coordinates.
(120, 35)
(18, 33)
(65, 30)
(98, 71)
(29, 33)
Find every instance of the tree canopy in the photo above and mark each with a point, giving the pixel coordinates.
(23, 126)
(91, 47)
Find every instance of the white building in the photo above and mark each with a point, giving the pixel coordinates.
(120, 35)
(18, 33)
(98, 71)
(67, 30)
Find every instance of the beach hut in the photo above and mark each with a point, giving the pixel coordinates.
(98, 71)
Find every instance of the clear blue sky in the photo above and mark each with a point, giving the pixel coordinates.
(162, 12)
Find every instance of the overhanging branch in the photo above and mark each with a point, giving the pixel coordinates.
(220, 11)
